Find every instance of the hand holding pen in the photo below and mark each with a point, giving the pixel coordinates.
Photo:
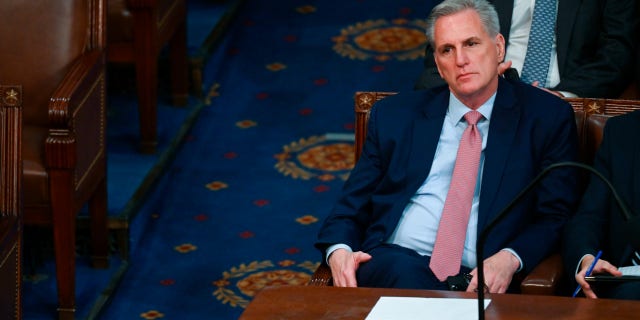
(598, 265)
(588, 273)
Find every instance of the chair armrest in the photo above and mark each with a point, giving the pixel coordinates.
(545, 277)
(73, 88)
(321, 277)
(77, 117)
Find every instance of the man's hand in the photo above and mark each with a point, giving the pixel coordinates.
(504, 66)
(602, 266)
(556, 93)
(498, 272)
(344, 264)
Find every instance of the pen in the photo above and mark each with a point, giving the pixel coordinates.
(589, 270)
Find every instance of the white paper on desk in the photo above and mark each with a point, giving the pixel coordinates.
(630, 270)
(414, 308)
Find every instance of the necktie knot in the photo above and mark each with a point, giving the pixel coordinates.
(472, 117)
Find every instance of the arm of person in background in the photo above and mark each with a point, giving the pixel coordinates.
(601, 266)
(603, 65)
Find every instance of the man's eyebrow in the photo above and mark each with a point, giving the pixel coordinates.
(467, 40)
(473, 38)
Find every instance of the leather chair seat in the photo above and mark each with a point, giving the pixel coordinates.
(35, 178)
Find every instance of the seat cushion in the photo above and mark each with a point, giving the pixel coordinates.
(36, 179)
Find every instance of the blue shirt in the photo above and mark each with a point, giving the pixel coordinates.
(418, 225)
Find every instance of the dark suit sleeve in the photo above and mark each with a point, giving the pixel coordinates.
(599, 222)
(601, 50)
(585, 232)
(554, 199)
(349, 218)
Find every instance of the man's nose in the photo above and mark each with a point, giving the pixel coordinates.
(461, 57)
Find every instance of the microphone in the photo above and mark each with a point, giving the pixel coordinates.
(633, 222)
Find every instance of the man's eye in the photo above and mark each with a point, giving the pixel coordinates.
(445, 50)
(471, 43)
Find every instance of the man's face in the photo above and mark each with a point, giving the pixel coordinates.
(467, 57)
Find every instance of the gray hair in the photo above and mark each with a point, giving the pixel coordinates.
(486, 11)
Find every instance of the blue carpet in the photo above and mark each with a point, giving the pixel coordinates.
(131, 177)
(239, 206)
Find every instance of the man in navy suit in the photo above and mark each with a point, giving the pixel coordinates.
(595, 45)
(599, 224)
(382, 229)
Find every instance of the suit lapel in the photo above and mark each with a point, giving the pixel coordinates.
(426, 133)
(502, 130)
(567, 10)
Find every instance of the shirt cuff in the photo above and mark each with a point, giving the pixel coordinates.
(580, 262)
(335, 247)
(517, 257)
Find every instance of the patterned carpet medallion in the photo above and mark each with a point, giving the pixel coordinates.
(382, 40)
(324, 158)
(239, 284)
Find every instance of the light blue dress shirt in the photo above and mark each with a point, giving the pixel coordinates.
(419, 223)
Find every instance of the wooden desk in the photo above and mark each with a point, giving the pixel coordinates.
(310, 302)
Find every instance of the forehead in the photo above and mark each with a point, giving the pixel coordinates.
(459, 27)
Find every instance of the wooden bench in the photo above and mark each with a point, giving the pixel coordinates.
(591, 116)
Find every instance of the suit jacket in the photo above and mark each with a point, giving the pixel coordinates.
(595, 44)
(402, 135)
(599, 223)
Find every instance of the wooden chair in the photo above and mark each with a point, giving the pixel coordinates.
(138, 31)
(10, 202)
(59, 59)
(591, 115)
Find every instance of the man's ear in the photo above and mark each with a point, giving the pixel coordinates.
(500, 47)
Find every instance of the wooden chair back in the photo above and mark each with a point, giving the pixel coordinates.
(10, 201)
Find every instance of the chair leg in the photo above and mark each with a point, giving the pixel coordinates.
(147, 86)
(179, 66)
(64, 240)
(99, 228)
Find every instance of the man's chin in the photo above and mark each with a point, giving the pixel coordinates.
(465, 89)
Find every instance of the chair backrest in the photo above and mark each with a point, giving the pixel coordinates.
(41, 40)
(364, 101)
(10, 201)
(10, 150)
(591, 117)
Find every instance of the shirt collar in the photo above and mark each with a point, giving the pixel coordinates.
(457, 109)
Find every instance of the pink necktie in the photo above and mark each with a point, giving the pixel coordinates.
(447, 250)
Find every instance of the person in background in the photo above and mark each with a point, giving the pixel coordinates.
(593, 45)
(401, 208)
(599, 223)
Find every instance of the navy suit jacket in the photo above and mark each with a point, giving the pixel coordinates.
(599, 222)
(528, 131)
(595, 43)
